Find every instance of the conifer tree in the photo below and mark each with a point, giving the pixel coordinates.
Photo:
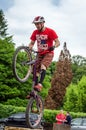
(3, 25)
(61, 79)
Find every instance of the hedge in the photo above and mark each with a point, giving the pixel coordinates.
(49, 115)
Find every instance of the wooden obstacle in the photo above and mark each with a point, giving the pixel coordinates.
(61, 127)
(19, 128)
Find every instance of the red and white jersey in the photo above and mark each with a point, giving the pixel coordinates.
(44, 39)
(60, 118)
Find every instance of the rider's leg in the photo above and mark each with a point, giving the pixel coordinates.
(42, 73)
(45, 62)
(38, 66)
(42, 76)
(37, 78)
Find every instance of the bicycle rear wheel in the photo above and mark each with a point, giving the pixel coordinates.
(34, 112)
(20, 67)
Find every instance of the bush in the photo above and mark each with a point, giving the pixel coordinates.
(49, 115)
(7, 110)
(16, 102)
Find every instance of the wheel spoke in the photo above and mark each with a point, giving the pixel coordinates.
(34, 112)
(21, 68)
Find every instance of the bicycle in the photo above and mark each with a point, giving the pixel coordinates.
(24, 63)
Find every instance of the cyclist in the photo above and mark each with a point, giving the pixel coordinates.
(44, 37)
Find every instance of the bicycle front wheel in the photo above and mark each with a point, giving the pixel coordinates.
(21, 69)
(34, 112)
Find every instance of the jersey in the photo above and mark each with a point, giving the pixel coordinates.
(60, 117)
(44, 39)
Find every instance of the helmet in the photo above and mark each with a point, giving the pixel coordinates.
(38, 19)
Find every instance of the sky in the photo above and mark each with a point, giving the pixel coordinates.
(66, 17)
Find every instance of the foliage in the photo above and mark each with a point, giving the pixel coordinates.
(79, 60)
(78, 68)
(71, 97)
(3, 25)
(49, 115)
(14, 93)
(82, 95)
(10, 88)
(16, 102)
(61, 79)
(7, 93)
(7, 110)
(75, 98)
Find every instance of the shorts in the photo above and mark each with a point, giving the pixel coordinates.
(45, 60)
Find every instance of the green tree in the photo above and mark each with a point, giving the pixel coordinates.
(71, 98)
(82, 95)
(3, 25)
(78, 68)
(75, 98)
(9, 87)
(79, 60)
(6, 51)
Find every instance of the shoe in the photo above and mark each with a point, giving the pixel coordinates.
(28, 97)
(38, 87)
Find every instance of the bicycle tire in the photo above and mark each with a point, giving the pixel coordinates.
(34, 112)
(21, 70)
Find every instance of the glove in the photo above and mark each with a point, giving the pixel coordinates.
(52, 48)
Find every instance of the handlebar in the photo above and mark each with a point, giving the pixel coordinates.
(44, 51)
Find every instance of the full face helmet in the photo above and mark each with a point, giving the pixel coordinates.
(38, 19)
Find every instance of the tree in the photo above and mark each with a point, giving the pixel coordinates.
(3, 25)
(79, 60)
(71, 98)
(82, 95)
(78, 68)
(61, 79)
(9, 87)
(75, 98)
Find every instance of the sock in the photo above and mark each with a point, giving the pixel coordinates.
(42, 75)
(36, 80)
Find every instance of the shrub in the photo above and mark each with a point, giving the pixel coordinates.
(49, 115)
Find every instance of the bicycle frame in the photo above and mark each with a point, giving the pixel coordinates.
(34, 64)
(22, 68)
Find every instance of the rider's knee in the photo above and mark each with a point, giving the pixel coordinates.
(43, 67)
(37, 74)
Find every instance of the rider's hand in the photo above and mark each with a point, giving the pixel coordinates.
(52, 48)
(30, 48)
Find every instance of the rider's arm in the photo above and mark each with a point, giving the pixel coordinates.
(57, 43)
(31, 44)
